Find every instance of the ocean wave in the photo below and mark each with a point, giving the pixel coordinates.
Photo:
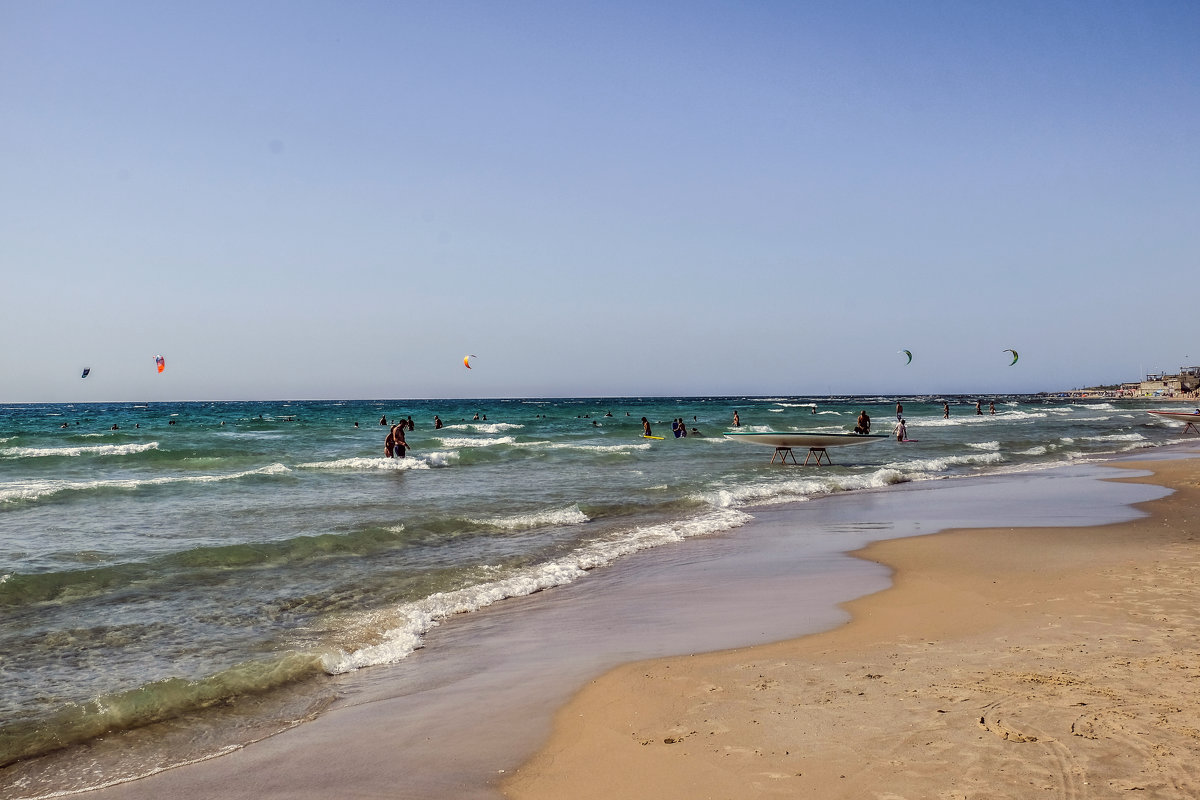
(1116, 437)
(148, 704)
(1011, 415)
(984, 445)
(483, 427)
(537, 519)
(18, 491)
(1095, 406)
(587, 448)
(81, 450)
(400, 630)
(1039, 450)
(772, 492)
(927, 465)
(378, 463)
(471, 441)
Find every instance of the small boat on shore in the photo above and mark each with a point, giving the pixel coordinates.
(815, 442)
(811, 440)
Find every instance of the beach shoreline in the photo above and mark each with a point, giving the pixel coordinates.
(415, 729)
(1001, 662)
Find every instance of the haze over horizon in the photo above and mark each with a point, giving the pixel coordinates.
(312, 201)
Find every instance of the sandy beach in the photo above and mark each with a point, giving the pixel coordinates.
(1002, 662)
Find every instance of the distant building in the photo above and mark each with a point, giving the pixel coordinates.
(1161, 384)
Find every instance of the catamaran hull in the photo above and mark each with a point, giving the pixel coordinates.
(805, 439)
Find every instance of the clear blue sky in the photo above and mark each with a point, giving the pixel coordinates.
(341, 200)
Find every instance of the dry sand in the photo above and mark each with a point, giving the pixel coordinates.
(1003, 663)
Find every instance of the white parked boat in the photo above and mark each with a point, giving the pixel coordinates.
(805, 439)
(815, 442)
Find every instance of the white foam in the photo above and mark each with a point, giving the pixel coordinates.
(1116, 437)
(946, 462)
(984, 445)
(587, 448)
(773, 492)
(369, 464)
(81, 450)
(474, 441)
(483, 427)
(1039, 450)
(402, 627)
(34, 490)
(538, 519)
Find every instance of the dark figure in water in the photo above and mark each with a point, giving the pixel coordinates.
(864, 424)
(398, 443)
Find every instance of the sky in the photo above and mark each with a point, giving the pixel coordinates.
(340, 200)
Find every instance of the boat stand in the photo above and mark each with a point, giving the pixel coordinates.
(1191, 426)
(782, 454)
(818, 452)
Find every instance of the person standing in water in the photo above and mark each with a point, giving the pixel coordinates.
(736, 422)
(400, 446)
(646, 427)
(899, 411)
(945, 411)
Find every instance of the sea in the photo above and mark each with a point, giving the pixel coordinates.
(201, 568)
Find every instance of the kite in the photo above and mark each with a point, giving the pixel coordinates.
(161, 362)
(86, 371)
(1014, 352)
(467, 361)
(907, 353)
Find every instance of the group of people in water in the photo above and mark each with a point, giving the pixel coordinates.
(395, 445)
(862, 425)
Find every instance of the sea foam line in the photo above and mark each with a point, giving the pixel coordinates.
(81, 450)
(483, 427)
(405, 625)
(537, 519)
(375, 463)
(36, 490)
(587, 448)
(472, 441)
(768, 493)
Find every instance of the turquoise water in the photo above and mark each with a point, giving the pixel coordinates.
(198, 552)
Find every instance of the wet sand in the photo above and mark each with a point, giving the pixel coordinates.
(1001, 663)
(456, 719)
